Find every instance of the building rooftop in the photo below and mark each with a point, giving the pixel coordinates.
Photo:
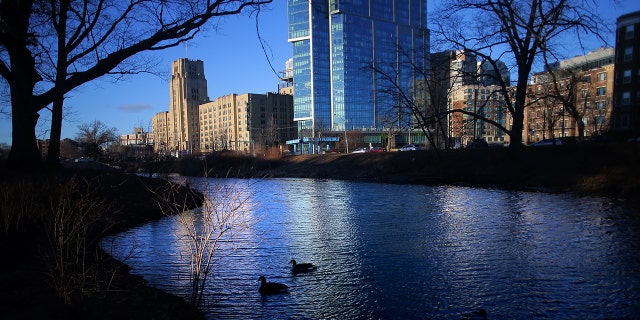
(627, 19)
(601, 54)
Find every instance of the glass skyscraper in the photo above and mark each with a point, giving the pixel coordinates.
(337, 47)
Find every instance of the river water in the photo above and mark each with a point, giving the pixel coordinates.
(389, 251)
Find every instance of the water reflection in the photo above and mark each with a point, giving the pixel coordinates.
(393, 251)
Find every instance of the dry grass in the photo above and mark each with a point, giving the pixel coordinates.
(609, 169)
(51, 227)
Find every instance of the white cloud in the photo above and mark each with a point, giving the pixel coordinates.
(134, 108)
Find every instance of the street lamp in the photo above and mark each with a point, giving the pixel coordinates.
(346, 140)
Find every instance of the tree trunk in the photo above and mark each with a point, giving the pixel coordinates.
(518, 108)
(53, 154)
(22, 79)
(580, 125)
(24, 148)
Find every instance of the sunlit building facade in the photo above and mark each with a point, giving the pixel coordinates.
(160, 129)
(577, 88)
(188, 90)
(246, 122)
(340, 51)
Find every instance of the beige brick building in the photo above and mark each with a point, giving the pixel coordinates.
(188, 90)
(195, 125)
(246, 122)
(160, 127)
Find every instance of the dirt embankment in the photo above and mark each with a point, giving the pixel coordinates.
(605, 169)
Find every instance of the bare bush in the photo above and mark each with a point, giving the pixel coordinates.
(224, 213)
(73, 210)
(17, 203)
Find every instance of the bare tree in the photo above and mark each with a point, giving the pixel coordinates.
(95, 136)
(522, 30)
(50, 47)
(270, 133)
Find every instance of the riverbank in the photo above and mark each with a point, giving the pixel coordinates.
(109, 291)
(72, 278)
(589, 169)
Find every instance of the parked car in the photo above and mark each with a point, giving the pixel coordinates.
(409, 147)
(478, 144)
(359, 150)
(548, 142)
(377, 149)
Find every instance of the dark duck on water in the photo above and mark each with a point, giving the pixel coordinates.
(271, 287)
(301, 267)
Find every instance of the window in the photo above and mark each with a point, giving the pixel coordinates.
(585, 93)
(626, 76)
(628, 33)
(600, 105)
(602, 76)
(626, 98)
(587, 105)
(628, 54)
(601, 91)
(586, 78)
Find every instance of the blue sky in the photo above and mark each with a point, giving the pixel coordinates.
(234, 63)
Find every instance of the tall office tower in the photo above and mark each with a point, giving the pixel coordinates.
(338, 45)
(188, 91)
(626, 106)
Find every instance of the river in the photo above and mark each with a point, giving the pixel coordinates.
(388, 251)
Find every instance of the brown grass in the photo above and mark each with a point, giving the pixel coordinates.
(52, 265)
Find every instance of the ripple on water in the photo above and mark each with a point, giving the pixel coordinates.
(392, 251)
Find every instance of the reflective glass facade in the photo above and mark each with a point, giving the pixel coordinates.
(337, 45)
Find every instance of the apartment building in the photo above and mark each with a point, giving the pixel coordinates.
(626, 107)
(463, 83)
(161, 128)
(246, 122)
(138, 137)
(574, 98)
(487, 102)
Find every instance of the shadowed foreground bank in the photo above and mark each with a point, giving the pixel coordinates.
(49, 272)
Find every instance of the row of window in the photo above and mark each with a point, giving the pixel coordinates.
(627, 74)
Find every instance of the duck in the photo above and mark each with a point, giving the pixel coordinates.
(480, 314)
(301, 267)
(271, 287)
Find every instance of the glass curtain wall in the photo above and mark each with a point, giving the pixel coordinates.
(338, 45)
